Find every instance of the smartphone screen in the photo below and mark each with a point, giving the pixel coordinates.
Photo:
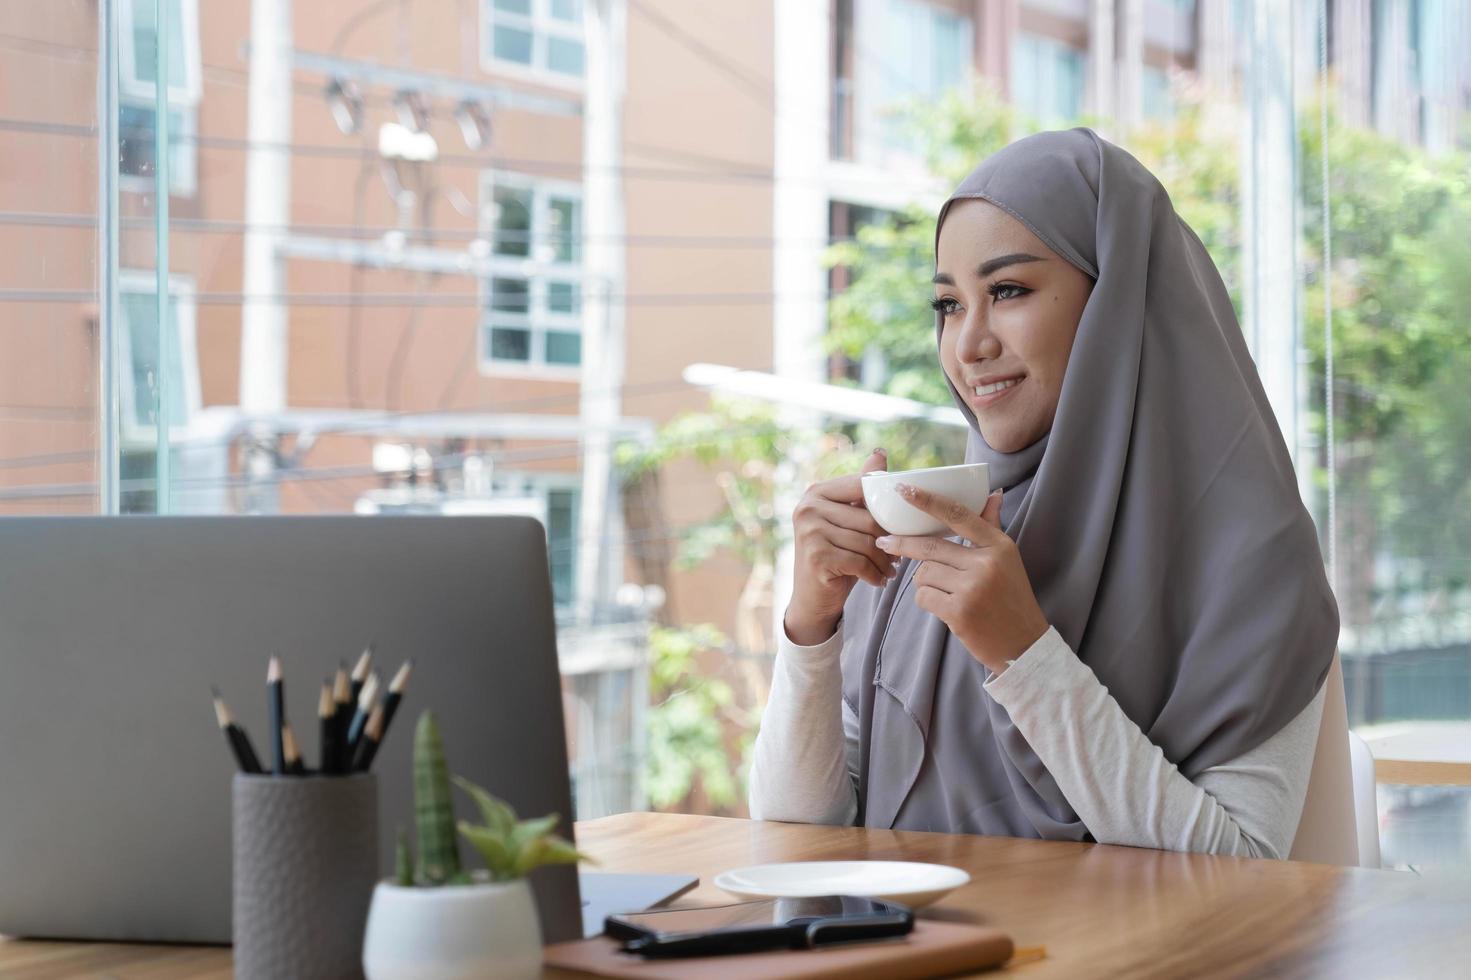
(773, 912)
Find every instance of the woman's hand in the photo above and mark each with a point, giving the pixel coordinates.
(834, 537)
(982, 591)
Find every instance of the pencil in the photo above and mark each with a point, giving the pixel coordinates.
(240, 745)
(365, 708)
(372, 738)
(395, 695)
(290, 752)
(276, 701)
(360, 673)
(342, 702)
(327, 716)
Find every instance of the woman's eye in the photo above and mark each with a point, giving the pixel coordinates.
(1006, 290)
(945, 307)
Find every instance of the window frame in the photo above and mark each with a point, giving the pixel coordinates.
(542, 26)
(539, 318)
(183, 97)
(133, 432)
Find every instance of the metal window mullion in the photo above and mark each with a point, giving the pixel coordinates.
(108, 461)
(163, 383)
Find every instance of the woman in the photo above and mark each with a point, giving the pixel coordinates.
(1128, 644)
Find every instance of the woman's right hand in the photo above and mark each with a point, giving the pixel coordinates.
(834, 536)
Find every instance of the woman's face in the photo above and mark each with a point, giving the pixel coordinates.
(1011, 308)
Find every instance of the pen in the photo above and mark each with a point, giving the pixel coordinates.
(365, 708)
(372, 738)
(275, 700)
(240, 745)
(331, 743)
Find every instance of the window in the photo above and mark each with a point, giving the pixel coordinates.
(562, 503)
(926, 52)
(533, 318)
(541, 36)
(137, 151)
(138, 77)
(1047, 79)
(138, 356)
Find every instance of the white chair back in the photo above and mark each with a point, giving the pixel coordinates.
(1328, 832)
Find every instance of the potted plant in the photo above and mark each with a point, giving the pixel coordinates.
(435, 921)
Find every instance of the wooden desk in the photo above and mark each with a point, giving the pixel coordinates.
(1422, 753)
(1100, 911)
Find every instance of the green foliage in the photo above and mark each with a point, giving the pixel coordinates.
(513, 848)
(434, 815)
(686, 741)
(403, 860)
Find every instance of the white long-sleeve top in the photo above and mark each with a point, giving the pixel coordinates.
(1120, 784)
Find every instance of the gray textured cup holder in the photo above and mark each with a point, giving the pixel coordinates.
(305, 864)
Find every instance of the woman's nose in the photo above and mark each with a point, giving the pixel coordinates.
(976, 341)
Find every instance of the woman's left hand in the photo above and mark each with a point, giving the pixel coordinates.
(982, 591)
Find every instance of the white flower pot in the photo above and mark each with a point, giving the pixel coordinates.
(454, 932)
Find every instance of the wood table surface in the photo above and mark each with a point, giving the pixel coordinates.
(1100, 911)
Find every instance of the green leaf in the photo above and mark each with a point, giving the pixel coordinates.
(545, 851)
(500, 860)
(529, 830)
(496, 813)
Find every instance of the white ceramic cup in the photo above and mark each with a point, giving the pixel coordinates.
(968, 483)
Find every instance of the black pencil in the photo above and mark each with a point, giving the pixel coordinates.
(290, 752)
(372, 738)
(327, 716)
(395, 695)
(360, 673)
(342, 715)
(245, 755)
(276, 702)
(360, 717)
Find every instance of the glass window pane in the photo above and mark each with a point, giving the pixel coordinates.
(510, 295)
(512, 221)
(564, 228)
(141, 322)
(145, 42)
(510, 344)
(512, 44)
(135, 141)
(562, 542)
(564, 297)
(564, 56)
(514, 6)
(564, 347)
(568, 10)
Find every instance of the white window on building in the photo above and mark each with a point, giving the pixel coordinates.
(541, 37)
(1046, 79)
(926, 52)
(532, 318)
(137, 82)
(142, 378)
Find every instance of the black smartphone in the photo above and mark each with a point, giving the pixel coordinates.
(746, 927)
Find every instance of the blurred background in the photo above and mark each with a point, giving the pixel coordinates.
(645, 268)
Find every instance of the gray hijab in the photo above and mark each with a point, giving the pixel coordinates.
(1159, 522)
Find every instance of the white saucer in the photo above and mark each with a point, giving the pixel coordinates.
(906, 882)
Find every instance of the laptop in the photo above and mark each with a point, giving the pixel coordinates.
(114, 778)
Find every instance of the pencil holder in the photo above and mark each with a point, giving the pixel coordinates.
(306, 861)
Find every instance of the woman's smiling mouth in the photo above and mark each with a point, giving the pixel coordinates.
(985, 395)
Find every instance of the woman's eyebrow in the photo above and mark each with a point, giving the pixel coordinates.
(1015, 258)
(988, 267)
